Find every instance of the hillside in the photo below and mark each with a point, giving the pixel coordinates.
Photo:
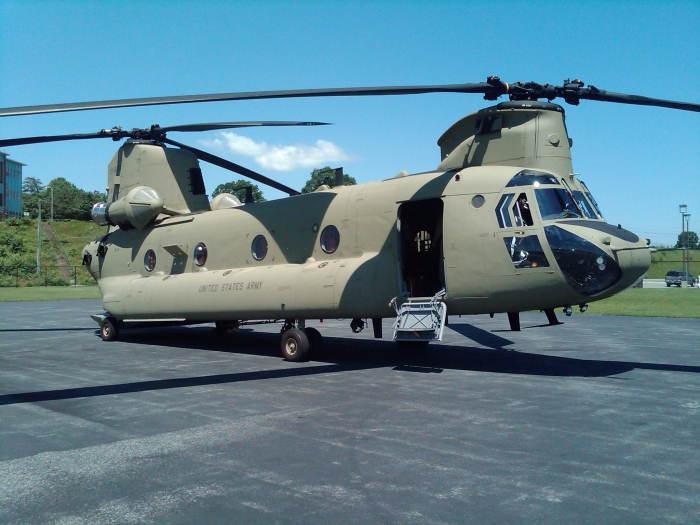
(18, 244)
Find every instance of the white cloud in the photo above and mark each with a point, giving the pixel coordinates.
(280, 157)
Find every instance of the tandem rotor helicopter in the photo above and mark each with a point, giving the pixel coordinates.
(502, 224)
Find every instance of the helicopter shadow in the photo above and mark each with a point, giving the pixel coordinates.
(345, 355)
(349, 353)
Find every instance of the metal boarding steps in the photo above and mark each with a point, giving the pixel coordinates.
(420, 318)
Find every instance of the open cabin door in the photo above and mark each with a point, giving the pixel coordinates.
(420, 231)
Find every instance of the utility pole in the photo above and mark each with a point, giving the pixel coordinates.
(38, 240)
(687, 247)
(51, 188)
(682, 208)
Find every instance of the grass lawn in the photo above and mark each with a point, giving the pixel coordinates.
(42, 293)
(650, 302)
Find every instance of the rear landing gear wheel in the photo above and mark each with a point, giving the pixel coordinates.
(109, 329)
(315, 340)
(295, 345)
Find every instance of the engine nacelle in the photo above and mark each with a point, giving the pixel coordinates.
(136, 210)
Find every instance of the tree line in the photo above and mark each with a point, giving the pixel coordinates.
(69, 201)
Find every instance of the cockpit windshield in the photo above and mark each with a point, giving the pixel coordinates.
(557, 203)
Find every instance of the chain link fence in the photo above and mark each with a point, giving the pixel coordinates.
(50, 275)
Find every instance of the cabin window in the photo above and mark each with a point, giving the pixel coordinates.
(531, 178)
(200, 254)
(502, 211)
(521, 211)
(149, 260)
(556, 203)
(526, 252)
(478, 201)
(259, 248)
(330, 239)
(421, 242)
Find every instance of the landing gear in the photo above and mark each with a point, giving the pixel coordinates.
(226, 327)
(109, 329)
(315, 340)
(295, 345)
(514, 321)
(298, 344)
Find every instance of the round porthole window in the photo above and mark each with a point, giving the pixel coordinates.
(259, 248)
(478, 201)
(149, 260)
(200, 254)
(330, 239)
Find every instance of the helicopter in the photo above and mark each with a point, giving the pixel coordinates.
(501, 225)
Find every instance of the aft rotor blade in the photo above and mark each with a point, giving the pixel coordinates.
(54, 138)
(228, 125)
(232, 166)
(481, 87)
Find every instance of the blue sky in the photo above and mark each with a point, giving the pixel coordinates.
(639, 162)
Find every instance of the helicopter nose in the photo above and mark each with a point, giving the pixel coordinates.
(597, 258)
(634, 259)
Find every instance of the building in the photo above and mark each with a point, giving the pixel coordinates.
(10, 187)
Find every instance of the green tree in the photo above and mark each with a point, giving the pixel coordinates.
(325, 175)
(69, 201)
(688, 240)
(32, 185)
(238, 189)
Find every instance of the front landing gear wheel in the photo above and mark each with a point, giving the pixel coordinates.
(295, 345)
(315, 340)
(109, 329)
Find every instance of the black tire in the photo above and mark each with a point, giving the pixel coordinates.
(109, 329)
(668, 285)
(225, 327)
(411, 345)
(315, 340)
(295, 345)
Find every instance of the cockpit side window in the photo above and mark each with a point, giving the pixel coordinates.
(502, 211)
(584, 205)
(556, 203)
(521, 211)
(590, 198)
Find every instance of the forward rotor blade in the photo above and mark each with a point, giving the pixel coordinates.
(593, 93)
(227, 125)
(53, 138)
(481, 87)
(231, 166)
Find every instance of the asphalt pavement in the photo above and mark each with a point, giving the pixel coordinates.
(596, 420)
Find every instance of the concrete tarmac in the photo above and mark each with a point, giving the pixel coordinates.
(596, 420)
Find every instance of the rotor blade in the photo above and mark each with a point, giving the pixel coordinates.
(593, 93)
(53, 138)
(231, 166)
(227, 125)
(481, 87)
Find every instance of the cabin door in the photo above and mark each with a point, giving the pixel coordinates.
(420, 231)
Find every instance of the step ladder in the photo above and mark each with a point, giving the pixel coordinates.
(419, 318)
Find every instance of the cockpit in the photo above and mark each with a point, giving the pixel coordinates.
(585, 266)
